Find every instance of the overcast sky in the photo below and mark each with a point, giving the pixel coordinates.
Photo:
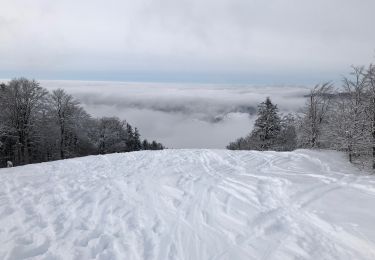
(256, 41)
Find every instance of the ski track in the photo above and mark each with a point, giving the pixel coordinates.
(189, 204)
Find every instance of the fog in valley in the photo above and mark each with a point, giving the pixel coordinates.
(182, 115)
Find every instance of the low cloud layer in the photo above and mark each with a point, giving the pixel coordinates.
(182, 115)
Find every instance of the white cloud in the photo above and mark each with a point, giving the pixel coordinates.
(254, 36)
(182, 115)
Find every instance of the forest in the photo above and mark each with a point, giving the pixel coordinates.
(39, 126)
(337, 118)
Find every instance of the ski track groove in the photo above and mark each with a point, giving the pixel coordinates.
(180, 204)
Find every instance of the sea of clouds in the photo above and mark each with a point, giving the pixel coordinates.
(182, 115)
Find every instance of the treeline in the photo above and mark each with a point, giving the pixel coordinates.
(39, 126)
(340, 118)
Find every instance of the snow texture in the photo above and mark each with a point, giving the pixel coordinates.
(189, 204)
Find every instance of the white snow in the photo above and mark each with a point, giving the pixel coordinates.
(189, 204)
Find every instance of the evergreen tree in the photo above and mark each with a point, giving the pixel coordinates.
(137, 140)
(130, 144)
(267, 126)
(145, 145)
(154, 145)
(270, 132)
(240, 144)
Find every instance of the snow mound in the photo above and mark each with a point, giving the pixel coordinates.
(189, 204)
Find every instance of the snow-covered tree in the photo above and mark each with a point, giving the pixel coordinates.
(347, 118)
(270, 131)
(111, 135)
(314, 116)
(267, 126)
(370, 108)
(36, 126)
(64, 110)
(287, 138)
(21, 103)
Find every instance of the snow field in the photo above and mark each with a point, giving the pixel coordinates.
(189, 204)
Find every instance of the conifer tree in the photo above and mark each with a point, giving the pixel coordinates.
(137, 140)
(267, 126)
(145, 145)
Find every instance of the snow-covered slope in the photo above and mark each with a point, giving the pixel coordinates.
(189, 204)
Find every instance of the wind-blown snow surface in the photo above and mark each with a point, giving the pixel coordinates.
(189, 204)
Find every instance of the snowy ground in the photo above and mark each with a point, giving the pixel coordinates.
(189, 204)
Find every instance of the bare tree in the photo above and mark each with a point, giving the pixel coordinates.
(111, 135)
(314, 115)
(347, 118)
(64, 109)
(21, 101)
(37, 127)
(370, 109)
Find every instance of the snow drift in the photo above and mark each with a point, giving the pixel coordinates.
(189, 204)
